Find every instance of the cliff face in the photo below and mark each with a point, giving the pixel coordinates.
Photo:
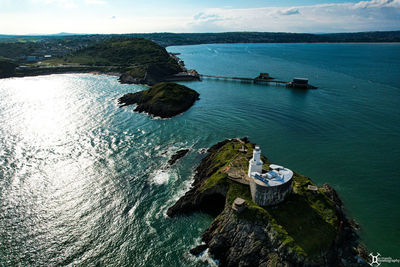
(164, 100)
(307, 229)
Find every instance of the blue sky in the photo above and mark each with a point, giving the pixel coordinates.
(125, 16)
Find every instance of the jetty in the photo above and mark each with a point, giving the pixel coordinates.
(266, 79)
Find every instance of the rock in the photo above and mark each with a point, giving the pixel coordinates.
(128, 79)
(164, 100)
(180, 154)
(353, 223)
(202, 150)
(197, 250)
(332, 194)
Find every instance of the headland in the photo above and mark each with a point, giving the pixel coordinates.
(307, 228)
(135, 60)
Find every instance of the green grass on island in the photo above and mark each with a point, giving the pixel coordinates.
(164, 99)
(306, 221)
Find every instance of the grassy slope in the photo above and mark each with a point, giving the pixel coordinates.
(164, 99)
(307, 222)
(134, 55)
(169, 93)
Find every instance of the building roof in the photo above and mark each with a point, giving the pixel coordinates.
(277, 176)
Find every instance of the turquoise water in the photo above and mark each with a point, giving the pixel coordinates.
(85, 182)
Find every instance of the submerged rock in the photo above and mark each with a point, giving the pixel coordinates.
(180, 154)
(164, 100)
(197, 250)
(307, 229)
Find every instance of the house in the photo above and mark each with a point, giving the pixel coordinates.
(300, 83)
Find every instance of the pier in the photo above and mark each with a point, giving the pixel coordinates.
(255, 80)
(265, 78)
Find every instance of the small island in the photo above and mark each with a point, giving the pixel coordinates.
(298, 224)
(163, 100)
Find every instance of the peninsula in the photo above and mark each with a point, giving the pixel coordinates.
(135, 60)
(163, 100)
(305, 227)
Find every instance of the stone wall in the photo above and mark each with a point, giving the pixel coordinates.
(269, 195)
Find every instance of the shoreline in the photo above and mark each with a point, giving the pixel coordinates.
(286, 43)
(95, 71)
(67, 72)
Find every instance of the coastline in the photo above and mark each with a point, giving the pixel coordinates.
(95, 71)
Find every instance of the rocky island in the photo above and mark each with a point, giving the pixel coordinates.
(309, 228)
(163, 100)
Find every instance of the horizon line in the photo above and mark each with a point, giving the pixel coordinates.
(165, 32)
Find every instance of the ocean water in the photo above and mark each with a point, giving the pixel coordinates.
(85, 182)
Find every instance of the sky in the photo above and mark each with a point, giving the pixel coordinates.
(140, 16)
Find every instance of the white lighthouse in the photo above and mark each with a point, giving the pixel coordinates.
(271, 187)
(255, 164)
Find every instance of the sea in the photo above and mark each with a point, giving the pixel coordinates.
(84, 182)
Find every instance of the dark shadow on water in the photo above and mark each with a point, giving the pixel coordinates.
(297, 92)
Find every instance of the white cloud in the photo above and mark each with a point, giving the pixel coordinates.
(344, 17)
(289, 11)
(378, 3)
(63, 3)
(70, 3)
(95, 2)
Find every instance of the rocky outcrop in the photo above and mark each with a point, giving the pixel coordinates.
(265, 236)
(178, 155)
(163, 100)
(237, 242)
(155, 74)
(128, 79)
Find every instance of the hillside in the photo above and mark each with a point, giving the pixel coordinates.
(170, 39)
(73, 42)
(144, 60)
(122, 52)
(7, 68)
(137, 59)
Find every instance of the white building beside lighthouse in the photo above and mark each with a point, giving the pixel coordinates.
(271, 187)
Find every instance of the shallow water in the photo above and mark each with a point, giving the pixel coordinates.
(85, 182)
